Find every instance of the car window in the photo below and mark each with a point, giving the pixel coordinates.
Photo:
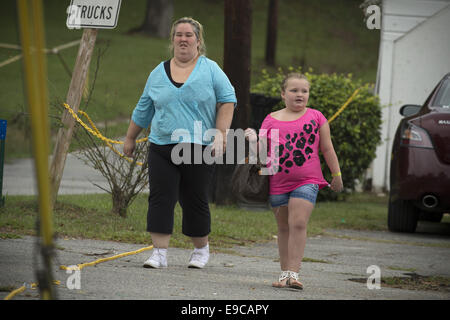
(442, 99)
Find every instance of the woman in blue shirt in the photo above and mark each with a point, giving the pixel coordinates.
(190, 94)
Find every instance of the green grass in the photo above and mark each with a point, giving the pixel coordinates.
(361, 211)
(89, 216)
(326, 35)
(418, 282)
(414, 281)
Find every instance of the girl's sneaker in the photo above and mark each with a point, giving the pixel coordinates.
(199, 257)
(157, 260)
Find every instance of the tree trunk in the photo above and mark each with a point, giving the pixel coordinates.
(237, 56)
(237, 66)
(120, 203)
(271, 40)
(158, 19)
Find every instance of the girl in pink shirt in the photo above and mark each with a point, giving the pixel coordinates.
(293, 137)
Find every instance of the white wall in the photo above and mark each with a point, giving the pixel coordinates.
(421, 59)
(414, 55)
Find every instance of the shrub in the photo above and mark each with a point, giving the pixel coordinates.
(355, 132)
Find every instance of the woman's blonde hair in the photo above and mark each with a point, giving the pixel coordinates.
(198, 30)
(291, 75)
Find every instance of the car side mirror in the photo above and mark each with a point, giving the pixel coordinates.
(409, 109)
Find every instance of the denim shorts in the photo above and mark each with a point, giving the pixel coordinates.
(307, 192)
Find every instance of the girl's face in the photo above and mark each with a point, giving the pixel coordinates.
(185, 42)
(296, 94)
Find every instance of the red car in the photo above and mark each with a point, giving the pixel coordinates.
(420, 162)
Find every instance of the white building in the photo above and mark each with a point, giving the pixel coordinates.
(414, 55)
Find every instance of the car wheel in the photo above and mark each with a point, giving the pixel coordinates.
(402, 216)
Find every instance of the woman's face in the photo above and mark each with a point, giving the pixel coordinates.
(185, 42)
(296, 94)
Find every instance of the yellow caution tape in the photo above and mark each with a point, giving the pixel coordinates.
(93, 263)
(24, 287)
(15, 292)
(344, 105)
(78, 267)
(95, 132)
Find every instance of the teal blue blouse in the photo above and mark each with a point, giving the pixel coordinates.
(190, 108)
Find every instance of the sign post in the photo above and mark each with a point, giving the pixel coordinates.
(91, 15)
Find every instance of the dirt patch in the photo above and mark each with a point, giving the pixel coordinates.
(414, 281)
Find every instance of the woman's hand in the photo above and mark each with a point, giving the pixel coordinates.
(250, 135)
(130, 139)
(219, 145)
(128, 147)
(337, 184)
(223, 122)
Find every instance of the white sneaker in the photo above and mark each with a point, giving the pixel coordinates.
(157, 260)
(199, 257)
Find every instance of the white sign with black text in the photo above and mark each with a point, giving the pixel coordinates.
(97, 14)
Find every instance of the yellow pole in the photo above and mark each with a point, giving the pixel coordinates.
(35, 82)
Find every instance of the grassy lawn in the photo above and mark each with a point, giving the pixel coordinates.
(326, 35)
(88, 216)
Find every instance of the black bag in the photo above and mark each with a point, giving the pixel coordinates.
(248, 186)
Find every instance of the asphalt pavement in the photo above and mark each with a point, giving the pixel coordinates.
(332, 264)
(78, 177)
(341, 265)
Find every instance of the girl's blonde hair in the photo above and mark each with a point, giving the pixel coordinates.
(291, 75)
(198, 30)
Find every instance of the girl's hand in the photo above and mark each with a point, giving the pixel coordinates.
(337, 184)
(250, 135)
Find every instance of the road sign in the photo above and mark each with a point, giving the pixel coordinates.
(96, 14)
(3, 124)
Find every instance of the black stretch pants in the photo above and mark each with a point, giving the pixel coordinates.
(187, 183)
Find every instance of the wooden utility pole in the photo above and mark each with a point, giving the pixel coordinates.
(237, 66)
(74, 95)
(271, 39)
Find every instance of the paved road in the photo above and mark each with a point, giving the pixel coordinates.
(246, 273)
(78, 178)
